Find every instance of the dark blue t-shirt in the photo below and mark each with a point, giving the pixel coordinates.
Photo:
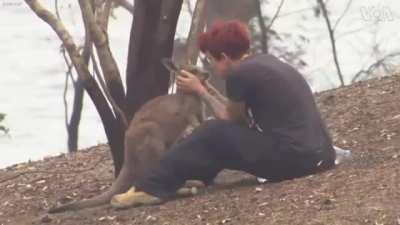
(281, 101)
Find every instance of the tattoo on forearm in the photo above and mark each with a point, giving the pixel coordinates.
(214, 92)
(222, 105)
(216, 105)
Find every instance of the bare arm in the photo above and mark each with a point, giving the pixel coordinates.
(222, 107)
(237, 111)
(214, 92)
(218, 107)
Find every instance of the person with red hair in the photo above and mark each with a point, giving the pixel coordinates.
(284, 138)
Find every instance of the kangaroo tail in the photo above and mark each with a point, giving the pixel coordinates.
(122, 184)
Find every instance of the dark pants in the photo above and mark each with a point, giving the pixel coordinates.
(218, 145)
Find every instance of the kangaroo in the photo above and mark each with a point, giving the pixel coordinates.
(154, 129)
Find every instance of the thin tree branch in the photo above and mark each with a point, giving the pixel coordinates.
(107, 62)
(197, 26)
(103, 85)
(67, 75)
(89, 82)
(57, 10)
(102, 19)
(275, 15)
(373, 66)
(344, 34)
(332, 38)
(66, 114)
(343, 14)
(73, 126)
(273, 21)
(68, 63)
(189, 7)
(263, 27)
(299, 11)
(125, 4)
(103, 15)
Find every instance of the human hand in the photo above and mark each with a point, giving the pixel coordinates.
(189, 83)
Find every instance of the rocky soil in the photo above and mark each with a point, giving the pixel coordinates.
(364, 117)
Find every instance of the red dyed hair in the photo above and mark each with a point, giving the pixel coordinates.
(229, 37)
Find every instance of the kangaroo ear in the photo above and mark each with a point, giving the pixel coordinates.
(191, 68)
(170, 65)
(207, 76)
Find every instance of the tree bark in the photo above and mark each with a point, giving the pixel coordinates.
(90, 84)
(152, 38)
(125, 4)
(154, 30)
(107, 61)
(263, 28)
(73, 125)
(197, 26)
(97, 27)
(74, 122)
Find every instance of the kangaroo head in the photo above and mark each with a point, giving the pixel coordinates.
(199, 72)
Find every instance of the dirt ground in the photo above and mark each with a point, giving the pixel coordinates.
(364, 117)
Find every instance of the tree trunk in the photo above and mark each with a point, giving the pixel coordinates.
(108, 64)
(97, 27)
(73, 125)
(263, 28)
(152, 38)
(197, 26)
(90, 84)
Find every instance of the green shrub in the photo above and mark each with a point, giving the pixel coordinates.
(3, 128)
